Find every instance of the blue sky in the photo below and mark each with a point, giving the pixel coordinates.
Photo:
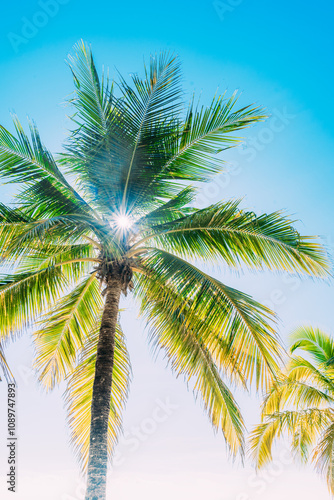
(278, 55)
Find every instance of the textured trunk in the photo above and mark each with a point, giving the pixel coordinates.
(98, 446)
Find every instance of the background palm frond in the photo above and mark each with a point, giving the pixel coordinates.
(300, 405)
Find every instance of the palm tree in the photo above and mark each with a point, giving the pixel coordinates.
(300, 405)
(115, 213)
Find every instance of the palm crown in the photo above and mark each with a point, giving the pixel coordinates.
(301, 405)
(115, 211)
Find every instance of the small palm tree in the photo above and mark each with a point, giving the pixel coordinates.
(115, 213)
(300, 405)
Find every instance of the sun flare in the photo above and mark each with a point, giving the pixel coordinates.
(123, 222)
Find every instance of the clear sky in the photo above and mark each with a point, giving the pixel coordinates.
(280, 55)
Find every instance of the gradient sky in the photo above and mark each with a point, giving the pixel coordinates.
(279, 55)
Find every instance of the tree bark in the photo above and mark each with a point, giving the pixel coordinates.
(100, 409)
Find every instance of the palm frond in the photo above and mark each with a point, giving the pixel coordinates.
(299, 405)
(152, 102)
(64, 331)
(216, 312)
(168, 211)
(302, 369)
(25, 161)
(23, 239)
(5, 367)
(75, 259)
(92, 98)
(10, 215)
(78, 395)
(98, 146)
(44, 199)
(304, 427)
(206, 132)
(323, 456)
(119, 143)
(296, 393)
(226, 232)
(314, 341)
(24, 296)
(190, 357)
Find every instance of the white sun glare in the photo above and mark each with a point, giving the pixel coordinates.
(124, 222)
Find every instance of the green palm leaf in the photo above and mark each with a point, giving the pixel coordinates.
(65, 330)
(78, 394)
(26, 161)
(300, 405)
(304, 426)
(206, 131)
(24, 296)
(189, 356)
(5, 367)
(313, 341)
(216, 312)
(225, 231)
(323, 456)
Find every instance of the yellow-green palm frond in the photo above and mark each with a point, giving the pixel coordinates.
(24, 296)
(295, 393)
(12, 221)
(315, 374)
(303, 426)
(206, 132)
(74, 259)
(217, 312)
(323, 456)
(25, 161)
(5, 367)
(300, 405)
(78, 394)
(158, 296)
(31, 235)
(226, 232)
(190, 357)
(314, 341)
(301, 385)
(64, 331)
(173, 209)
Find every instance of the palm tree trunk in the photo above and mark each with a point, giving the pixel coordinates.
(98, 446)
